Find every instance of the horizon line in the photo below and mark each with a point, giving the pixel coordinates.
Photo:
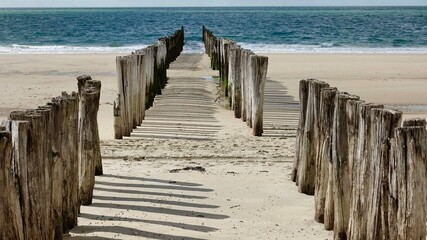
(314, 6)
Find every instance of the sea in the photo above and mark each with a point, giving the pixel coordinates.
(262, 29)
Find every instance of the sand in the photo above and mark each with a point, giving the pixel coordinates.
(245, 192)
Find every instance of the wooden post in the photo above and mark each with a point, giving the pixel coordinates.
(383, 122)
(362, 161)
(237, 99)
(409, 150)
(306, 167)
(303, 97)
(341, 166)
(89, 105)
(11, 226)
(259, 67)
(96, 85)
(324, 156)
(70, 157)
(231, 75)
(57, 166)
(249, 88)
(122, 65)
(38, 225)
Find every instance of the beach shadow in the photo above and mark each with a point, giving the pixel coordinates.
(281, 111)
(155, 201)
(160, 210)
(165, 187)
(189, 184)
(89, 238)
(126, 231)
(191, 227)
(185, 110)
(127, 191)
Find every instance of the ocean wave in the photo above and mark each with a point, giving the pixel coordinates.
(198, 47)
(28, 49)
(328, 48)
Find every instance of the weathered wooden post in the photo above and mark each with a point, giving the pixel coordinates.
(306, 168)
(259, 67)
(70, 156)
(119, 108)
(56, 132)
(237, 99)
(249, 87)
(383, 122)
(37, 163)
(303, 97)
(11, 225)
(341, 166)
(362, 161)
(89, 105)
(324, 155)
(87, 82)
(409, 150)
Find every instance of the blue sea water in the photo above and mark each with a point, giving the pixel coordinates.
(262, 29)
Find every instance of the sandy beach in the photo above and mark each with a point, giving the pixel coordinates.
(245, 191)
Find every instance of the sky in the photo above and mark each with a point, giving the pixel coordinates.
(182, 3)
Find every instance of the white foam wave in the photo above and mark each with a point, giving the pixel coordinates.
(27, 49)
(197, 47)
(328, 48)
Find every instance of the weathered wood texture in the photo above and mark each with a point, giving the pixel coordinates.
(324, 155)
(242, 78)
(370, 173)
(40, 170)
(140, 77)
(86, 82)
(89, 152)
(11, 226)
(361, 174)
(341, 165)
(303, 96)
(306, 172)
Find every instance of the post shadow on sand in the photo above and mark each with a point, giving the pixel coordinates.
(89, 238)
(125, 231)
(152, 186)
(127, 191)
(185, 110)
(191, 227)
(172, 182)
(161, 210)
(155, 201)
(281, 111)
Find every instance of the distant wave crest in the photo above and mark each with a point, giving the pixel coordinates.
(197, 47)
(27, 49)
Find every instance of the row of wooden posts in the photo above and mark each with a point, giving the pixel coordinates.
(142, 76)
(48, 158)
(365, 167)
(242, 78)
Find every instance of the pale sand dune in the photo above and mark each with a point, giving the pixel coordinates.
(245, 192)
